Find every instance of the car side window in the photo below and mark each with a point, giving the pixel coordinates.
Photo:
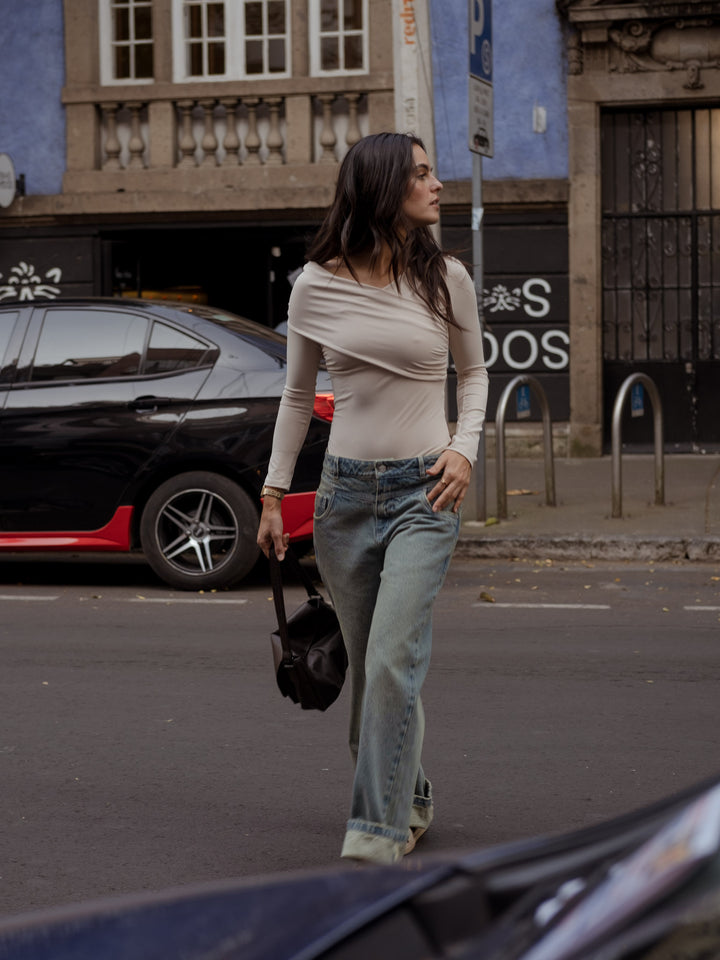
(8, 319)
(170, 350)
(86, 344)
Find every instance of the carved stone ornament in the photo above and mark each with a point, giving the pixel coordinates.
(688, 45)
(650, 36)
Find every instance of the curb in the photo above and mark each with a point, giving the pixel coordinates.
(645, 549)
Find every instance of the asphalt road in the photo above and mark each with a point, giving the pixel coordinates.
(144, 745)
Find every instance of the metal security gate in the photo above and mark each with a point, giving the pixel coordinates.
(661, 267)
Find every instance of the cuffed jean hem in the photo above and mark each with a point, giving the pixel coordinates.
(373, 842)
(422, 811)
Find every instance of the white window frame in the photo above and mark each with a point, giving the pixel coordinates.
(316, 36)
(107, 43)
(234, 45)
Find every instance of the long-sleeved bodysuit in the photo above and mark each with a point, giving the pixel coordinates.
(387, 356)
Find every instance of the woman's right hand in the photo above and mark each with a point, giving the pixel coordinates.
(270, 531)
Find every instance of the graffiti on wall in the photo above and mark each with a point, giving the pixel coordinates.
(24, 283)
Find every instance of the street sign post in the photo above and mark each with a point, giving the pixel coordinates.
(481, 143)
(480, 128)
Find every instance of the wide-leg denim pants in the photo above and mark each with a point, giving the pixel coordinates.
(383, 554)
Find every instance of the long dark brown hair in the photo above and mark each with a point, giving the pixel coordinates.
(366, 217)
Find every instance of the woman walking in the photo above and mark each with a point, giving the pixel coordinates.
(381, 306)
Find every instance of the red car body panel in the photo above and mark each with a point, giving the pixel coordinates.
(297, 512)
(115, 535)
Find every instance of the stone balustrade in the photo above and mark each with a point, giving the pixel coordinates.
(215, 146)
(229, 131)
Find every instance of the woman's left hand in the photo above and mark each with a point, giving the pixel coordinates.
(454, 472)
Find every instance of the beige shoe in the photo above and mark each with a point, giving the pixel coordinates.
(414, 835)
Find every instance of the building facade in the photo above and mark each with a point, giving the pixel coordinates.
(183, 148)
(187, 148)
(644, 212)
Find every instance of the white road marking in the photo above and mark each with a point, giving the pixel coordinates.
(546, 606)
(182, 600)
(17, 596)
(710, 609)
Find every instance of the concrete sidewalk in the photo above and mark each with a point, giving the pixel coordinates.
(581, 526)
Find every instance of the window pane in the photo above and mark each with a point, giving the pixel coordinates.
(7, 325)
(216, 20)
(143, 23)
(254, 56)
(195, 60)
(353, 53)
(194, 20)
(276, 56)
(329, 59)
(253, 20)
(216, 59)
(122, 25)
(171, 350)
(329, 15)
(276, 16)
(122, 63)
(352, 15)
(86, 344)
(144, 61)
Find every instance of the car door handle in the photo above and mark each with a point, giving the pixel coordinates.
(149, 403)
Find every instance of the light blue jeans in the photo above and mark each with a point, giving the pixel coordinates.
(383, 555)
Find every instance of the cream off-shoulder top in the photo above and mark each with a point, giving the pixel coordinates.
(387, 356)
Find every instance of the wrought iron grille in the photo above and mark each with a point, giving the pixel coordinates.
(661, 235)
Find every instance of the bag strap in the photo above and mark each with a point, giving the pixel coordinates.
(279, 598)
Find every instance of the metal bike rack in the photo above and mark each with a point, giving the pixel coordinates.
(622, 393)
(539, 393)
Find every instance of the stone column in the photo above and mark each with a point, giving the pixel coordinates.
(83, 136)
(585, 268)
(298, 132)
(162, 134)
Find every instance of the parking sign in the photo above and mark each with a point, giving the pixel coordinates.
(481, 63)
(480, 131)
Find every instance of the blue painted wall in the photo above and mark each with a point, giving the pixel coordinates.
(529, 67)
(32, 74)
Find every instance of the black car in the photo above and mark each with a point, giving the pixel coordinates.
(645, 886)
(142, 423)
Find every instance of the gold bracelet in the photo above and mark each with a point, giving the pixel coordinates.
(275, 492)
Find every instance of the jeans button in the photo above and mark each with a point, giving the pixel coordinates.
(382, 468)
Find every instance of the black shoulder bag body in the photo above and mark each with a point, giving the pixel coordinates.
(308, 649)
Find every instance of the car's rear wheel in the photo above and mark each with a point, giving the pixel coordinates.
(198, 531)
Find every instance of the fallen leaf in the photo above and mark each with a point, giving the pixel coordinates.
(487, 598)
(491, 521)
